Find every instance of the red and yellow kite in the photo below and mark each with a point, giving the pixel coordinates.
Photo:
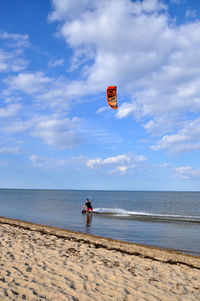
(112, 96)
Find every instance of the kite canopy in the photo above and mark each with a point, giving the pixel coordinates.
(112, 96)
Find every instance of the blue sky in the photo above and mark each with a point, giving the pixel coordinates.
(57, 59)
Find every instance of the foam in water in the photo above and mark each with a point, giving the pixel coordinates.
(122, 212)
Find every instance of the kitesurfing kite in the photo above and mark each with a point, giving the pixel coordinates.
(112, 96)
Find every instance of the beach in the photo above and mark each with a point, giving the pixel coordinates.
(44, 263)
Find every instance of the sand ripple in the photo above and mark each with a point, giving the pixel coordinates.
(43, 263)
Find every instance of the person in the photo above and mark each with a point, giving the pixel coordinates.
(88, 205)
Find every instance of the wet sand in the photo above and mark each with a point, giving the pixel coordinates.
(44, 263)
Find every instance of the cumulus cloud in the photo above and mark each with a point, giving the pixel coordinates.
(18, 125)
(15, 40)
(100, 110)
(187, 172)
(120, 163)
(138, 47)
(117, 159)
(63, 89)
(126, 109)
(63, 9)
(27, 82)
(123, 169)
(91, 25)
(11, 61)
(53, 130)
(4, 57)
(11, 52)
(39, 161)
(186, 139)
(10, 110)
(95, 163)
(191, 13)
(139, 158)
(60, 133)
(56, 63)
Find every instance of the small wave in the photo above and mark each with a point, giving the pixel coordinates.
(122, 213)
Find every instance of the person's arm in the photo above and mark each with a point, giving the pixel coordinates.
(83, 207)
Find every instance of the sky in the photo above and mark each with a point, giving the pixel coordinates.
(57, 58)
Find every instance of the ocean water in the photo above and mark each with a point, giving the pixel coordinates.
(164, 219)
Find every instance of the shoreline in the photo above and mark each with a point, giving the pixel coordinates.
(40, 262)
(145, 251)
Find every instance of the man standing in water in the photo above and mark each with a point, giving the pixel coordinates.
(88, 205)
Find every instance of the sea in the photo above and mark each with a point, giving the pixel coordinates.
(168, 220)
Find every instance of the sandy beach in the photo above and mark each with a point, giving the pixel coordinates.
(43, 263)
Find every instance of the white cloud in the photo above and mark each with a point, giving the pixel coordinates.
(56, 63)
(39, 161)
(191, 13)
(167, 141)
(136, 46)
(64, 90)
(122, 169)
(43, 162)
(177, 91)
(60, 133)
(95, 163)
(19, 40)
(102, 109)
(27, 82)
(9, 150)
(120, 163)
(164, 165)
(187, 172)
(93, 24)
(11, 52)
(148, 6)
(17, 126)
(126, 109)
(54, 163)
(3, 60)
(116, 160)
(11, 61)
(139, 158)
(10, 110)
(186, 139)
(63, 9)
(161, 124)
(175, 1)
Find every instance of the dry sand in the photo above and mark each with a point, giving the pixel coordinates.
(44, 263)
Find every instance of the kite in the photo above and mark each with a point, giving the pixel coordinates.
(112, 96)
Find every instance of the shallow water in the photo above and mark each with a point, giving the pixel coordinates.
(164, 219)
